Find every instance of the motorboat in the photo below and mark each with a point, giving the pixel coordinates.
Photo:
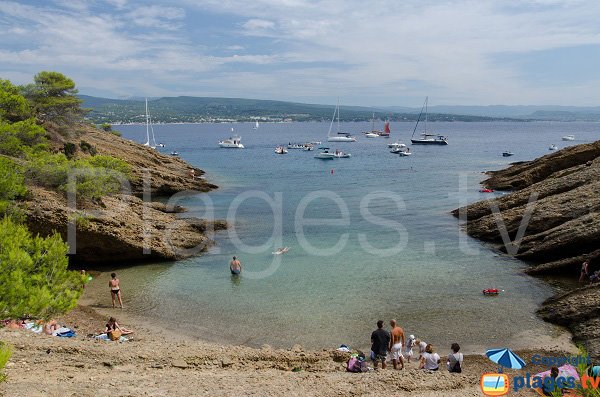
(427, 138)
(174, 153)
(507, 154)
(405, 153)
(341, 155)
(281, 150)
(308, 147)
(401, 150)
(553, 147)
(315, 143)
(324, 154)
(568, 138)
(371, 135)
(396, 145)
(295, 146)
(234, 142)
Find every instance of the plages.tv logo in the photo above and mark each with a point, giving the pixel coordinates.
(494, 384)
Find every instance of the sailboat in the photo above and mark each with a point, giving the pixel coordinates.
(256, 125)
(374, 133)
(148, 129)
(425, 138)
(341, 136)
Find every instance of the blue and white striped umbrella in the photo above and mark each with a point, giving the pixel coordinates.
(505, 358)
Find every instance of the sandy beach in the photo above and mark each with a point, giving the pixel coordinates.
(158, 361)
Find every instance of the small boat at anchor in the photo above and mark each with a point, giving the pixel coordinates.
(553, 147)
(341, 136)
(507, 154)
(324, 154)
(234, 142)
(427, 138)
(281, 150)
(568, 138)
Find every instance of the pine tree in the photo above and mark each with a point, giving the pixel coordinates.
(34, 280)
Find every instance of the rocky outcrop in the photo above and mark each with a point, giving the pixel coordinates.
(126, 227)
(556, 198)
(580, 311)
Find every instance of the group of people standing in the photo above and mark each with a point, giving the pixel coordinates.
(395, 344)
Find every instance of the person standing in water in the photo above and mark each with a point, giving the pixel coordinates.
(235, 266)
(115, 289)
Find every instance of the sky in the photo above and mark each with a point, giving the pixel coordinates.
(371, 53)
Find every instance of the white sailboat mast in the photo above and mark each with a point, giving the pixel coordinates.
(147, 125)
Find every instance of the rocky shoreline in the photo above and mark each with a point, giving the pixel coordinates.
(559, 192)
(128, 227)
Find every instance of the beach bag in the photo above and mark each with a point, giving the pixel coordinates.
(115, 334)
(356, 365)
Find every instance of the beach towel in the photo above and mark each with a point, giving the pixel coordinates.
(33, 327)
(64, 333)
(105, 337)
(565, 371)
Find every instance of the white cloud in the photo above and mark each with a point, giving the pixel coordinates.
(382, 50)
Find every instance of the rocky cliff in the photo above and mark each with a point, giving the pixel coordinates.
(560, 193)
(123, 228)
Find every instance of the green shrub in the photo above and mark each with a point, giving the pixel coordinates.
(94, 177)
(20, 137)
(35, 275)
(13, 105)
(5, 353)
(87, 148)
(69, 150)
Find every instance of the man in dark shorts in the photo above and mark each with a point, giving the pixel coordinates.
(380, 340)
(235, 266)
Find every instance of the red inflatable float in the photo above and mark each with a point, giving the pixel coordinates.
(491, 291)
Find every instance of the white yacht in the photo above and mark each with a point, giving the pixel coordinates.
(568, 138)
(426, 138)
(371, 135)
(396, 145)
(553, 147)
(281, 150)
(234, 142)
(341, 136)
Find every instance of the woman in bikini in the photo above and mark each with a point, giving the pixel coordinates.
(115, 289)
(112, 325)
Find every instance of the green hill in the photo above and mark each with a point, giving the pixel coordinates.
(185, 109)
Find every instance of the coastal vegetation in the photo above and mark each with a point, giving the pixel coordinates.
(35, 278)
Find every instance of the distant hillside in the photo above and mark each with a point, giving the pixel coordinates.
(205, 109)
(539, 112)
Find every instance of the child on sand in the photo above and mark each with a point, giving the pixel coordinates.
(408, 348)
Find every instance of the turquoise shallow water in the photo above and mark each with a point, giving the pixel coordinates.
(431, 283)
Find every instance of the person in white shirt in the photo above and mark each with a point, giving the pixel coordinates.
(421, 345)
(429, 360)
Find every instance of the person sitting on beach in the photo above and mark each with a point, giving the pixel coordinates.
(50, 327)
(549, 387)
(380, 340)
(396, 344)
(115, 289)
(112, 325)
(429, 360)
(421, 345)
(235, 266)
(455, 359)
(408, 347)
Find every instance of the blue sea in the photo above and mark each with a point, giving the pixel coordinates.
(371, 237)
